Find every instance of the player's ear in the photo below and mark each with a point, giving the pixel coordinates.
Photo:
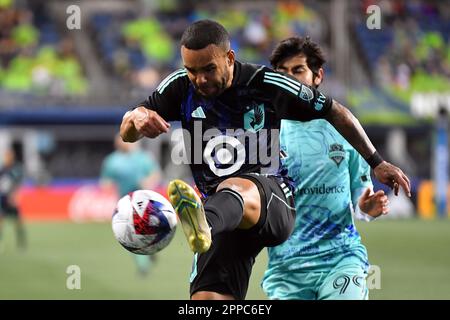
(318, 77)
(230, 57)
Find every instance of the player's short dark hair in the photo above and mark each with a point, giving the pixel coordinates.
(298, 45)
(202, 33)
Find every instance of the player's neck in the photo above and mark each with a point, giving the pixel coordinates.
(230, 80)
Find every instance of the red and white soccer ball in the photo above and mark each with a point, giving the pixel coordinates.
(144, 222)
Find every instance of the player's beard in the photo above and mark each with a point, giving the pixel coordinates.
(219, 87)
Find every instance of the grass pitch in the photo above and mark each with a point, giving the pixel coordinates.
(413, 256)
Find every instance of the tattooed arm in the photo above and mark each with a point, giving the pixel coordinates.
(350, 128)
(296, 101)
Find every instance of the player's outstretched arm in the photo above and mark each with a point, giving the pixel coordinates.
(350, 128)
(142, 122)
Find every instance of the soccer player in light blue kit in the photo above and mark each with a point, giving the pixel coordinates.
(324, 257)
(127, 169)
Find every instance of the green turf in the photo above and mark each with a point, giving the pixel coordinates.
(413, 256)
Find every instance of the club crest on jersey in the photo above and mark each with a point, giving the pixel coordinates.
(337, 153)
(254, 119)
(306, 93)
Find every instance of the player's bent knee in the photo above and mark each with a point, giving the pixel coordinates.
(249, 193)
(239, 185)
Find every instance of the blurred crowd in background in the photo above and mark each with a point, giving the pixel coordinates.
(34, 57)
(138, 43)
(125, 48)
(411, 52)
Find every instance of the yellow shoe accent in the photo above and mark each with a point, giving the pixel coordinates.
(190, 211)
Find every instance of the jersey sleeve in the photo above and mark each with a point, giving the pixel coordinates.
(167, 98)
(359, 176)
(292, 99)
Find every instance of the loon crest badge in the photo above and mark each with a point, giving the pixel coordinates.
(254, 119)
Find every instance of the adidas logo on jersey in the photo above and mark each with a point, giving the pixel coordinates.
(198, 113)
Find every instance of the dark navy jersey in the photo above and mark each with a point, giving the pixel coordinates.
(10, 179)
(238, 131)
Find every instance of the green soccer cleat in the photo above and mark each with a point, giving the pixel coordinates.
(190, 210)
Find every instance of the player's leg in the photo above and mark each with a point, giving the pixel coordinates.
(2, 212)
(225, 269)
(20, 234)
(345, 282)
(2, 245)
(235, 205)
(242, 189)
(20, 231)
(223, 211)
(290, 285)
(12, 211)
(277, 210)
(223, 272)
(143, 263)
(238, 202)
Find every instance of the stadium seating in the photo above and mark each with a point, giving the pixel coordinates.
(34, 57)
(411, 50)
(130, 42)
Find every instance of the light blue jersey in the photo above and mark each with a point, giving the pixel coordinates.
(127, 169)
(329, 177)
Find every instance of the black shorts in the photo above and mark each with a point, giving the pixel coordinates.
(226, 267)
(6, 208)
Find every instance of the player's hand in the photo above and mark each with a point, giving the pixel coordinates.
(392, 176)
(149, 123)
(374, 204)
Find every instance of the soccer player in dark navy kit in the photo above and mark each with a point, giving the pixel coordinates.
(11, 174)
(247, 200)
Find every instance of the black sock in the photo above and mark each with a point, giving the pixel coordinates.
(224, 210)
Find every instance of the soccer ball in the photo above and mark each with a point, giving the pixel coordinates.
(144, 222)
